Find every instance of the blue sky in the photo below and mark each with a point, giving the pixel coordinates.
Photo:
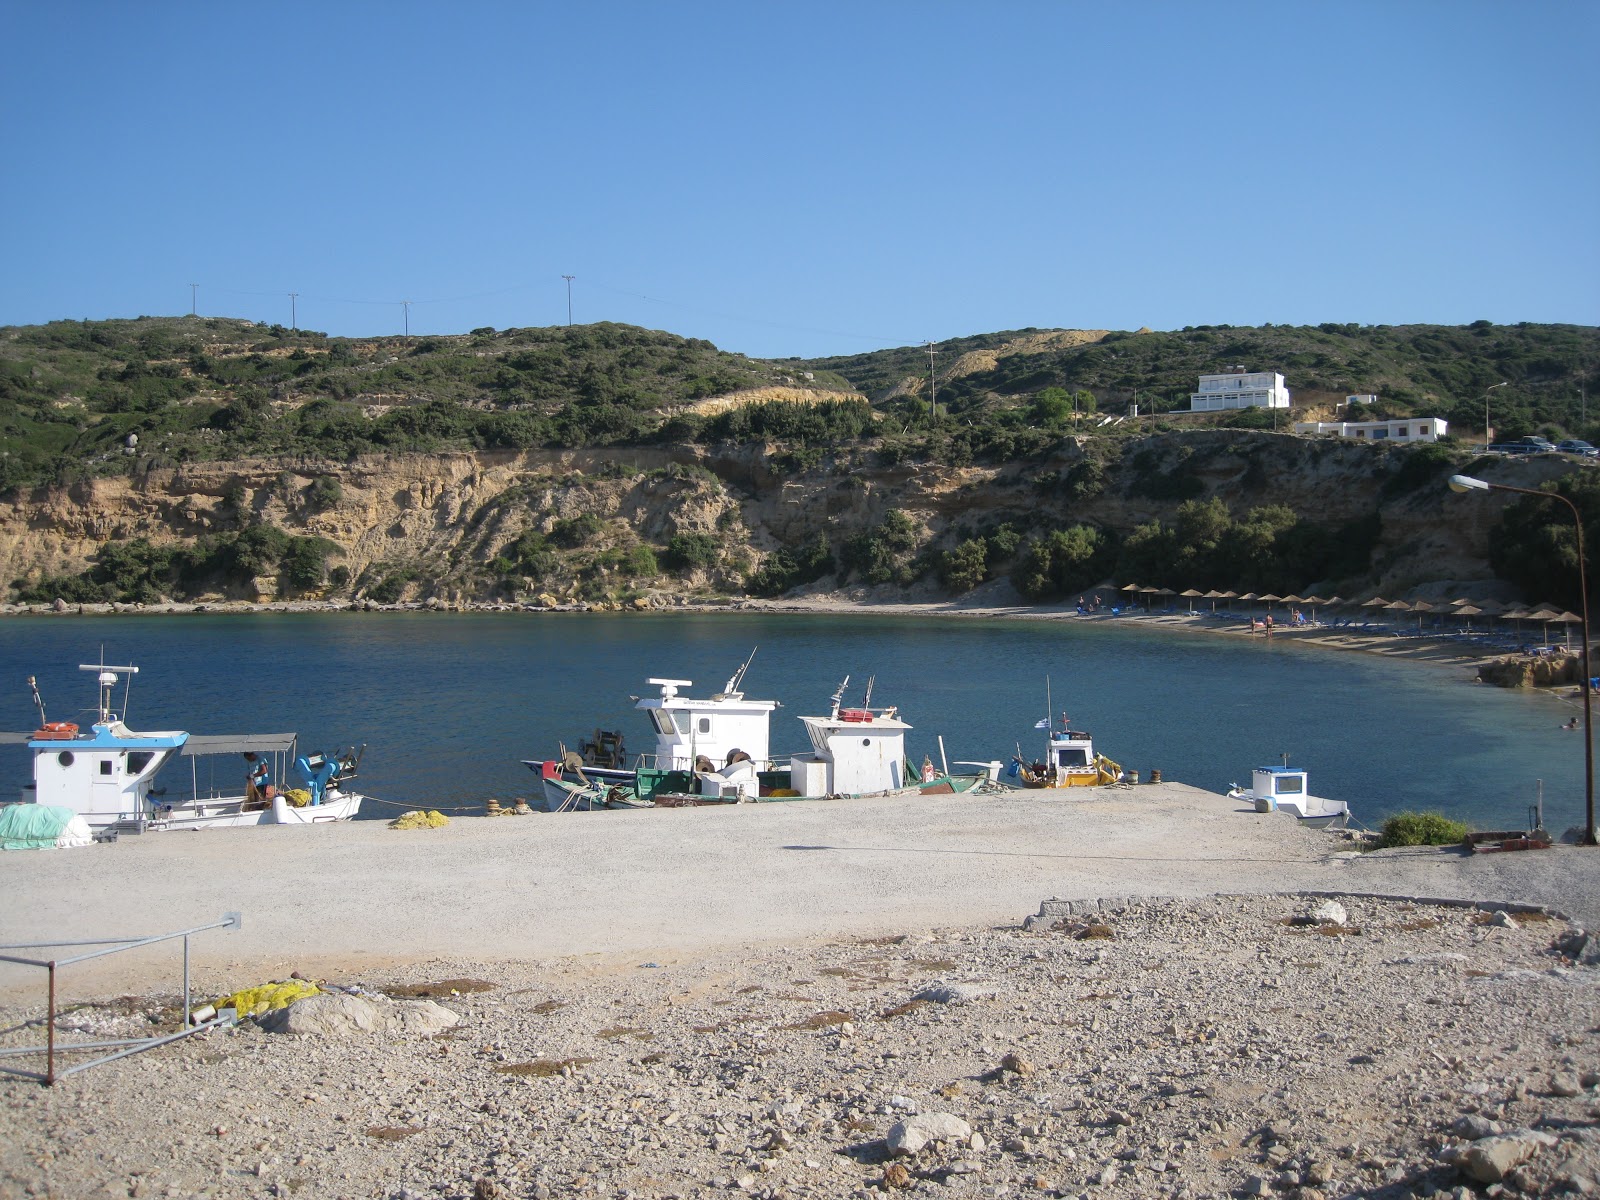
(806, 178)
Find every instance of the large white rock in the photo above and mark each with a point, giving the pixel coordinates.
(1491, 1159)
(336, 1014)
(912, 1134)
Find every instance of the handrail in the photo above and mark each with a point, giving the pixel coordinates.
(111, 945)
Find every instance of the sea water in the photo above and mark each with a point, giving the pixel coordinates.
(448, 705)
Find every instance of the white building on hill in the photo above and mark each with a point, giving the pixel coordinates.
(1412, 429)
(1239, 389)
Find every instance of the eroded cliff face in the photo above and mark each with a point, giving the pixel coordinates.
(446, 517)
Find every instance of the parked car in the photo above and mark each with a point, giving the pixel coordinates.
(1579, 447)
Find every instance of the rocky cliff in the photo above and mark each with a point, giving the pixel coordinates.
(438, 523)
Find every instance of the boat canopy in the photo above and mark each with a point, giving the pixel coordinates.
(246, 743)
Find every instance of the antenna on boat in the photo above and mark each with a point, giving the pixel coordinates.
(839, 695)
(732, 687)
(1049, 705)
(106, 677)
(867, 703)
(37, 701)
(1285, 756)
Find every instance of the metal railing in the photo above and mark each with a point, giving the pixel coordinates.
(124, 1046)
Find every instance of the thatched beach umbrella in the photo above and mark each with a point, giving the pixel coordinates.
(1250, 599)
(1213, 595)
(1191, 595)
(1569, 619)
(1420, 607)
(1311, 602)
(1270, 600)
(1545, 614)
(1468, 611)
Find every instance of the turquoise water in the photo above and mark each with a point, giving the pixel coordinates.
(449, 705)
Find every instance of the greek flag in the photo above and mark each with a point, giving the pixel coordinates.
(1042, 723)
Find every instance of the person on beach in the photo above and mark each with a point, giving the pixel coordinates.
(1255, 625)
(1572, 724)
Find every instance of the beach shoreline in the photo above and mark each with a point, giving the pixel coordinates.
(1439, 651)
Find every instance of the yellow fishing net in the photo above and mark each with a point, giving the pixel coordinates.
(252, 1002)
(297, 797)
(431, 819)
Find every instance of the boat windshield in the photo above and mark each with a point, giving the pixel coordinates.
(1072, 756)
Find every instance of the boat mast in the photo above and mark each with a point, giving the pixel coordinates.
(732, 688)
(38, 702)
(837, 696)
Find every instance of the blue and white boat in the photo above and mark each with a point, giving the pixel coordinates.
(1284, 790)
(107, 775)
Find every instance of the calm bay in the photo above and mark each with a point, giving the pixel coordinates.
(449, 704)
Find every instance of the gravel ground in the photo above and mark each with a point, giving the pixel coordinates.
(739, 1003)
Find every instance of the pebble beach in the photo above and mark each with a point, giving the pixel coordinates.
(1133, 992)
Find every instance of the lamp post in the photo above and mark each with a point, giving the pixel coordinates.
(1466, 483)
(1487, 440)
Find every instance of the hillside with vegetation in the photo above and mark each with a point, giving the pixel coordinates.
(206, 458)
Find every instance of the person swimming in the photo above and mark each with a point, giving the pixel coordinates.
(1572, 724)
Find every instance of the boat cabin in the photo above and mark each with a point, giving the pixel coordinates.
(854, 752)
(104, 775)
(715, 728)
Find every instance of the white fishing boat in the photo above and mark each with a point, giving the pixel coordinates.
(1284, 789)
(107, 775)
(716, 750)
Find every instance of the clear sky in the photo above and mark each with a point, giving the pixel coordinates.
(802, 178)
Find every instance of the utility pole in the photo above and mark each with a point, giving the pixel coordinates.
(294, 320)
(194, 297)
(569, 279)
(933, 385)
(406, 305)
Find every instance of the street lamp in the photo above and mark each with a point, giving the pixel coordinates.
(1466, 483)
(1487, 440)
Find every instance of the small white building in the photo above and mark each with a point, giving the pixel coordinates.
(1365, 398)
(1411, 429)
(1239, 389)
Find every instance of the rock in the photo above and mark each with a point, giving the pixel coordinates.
(1330, 912)
(955, 993)
(1017, 1065)
(1491, 1159)
(1565, 1084)
(336, 1014)
(1504, 920)
(912, 1134)
(896, 1176)
(1473, 1127)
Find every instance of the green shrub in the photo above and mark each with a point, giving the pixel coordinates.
(1420, 829)
(687, 551)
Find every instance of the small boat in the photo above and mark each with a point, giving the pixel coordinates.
(107, 775)
(1069, 761)
(1283, 789)
(715, 750)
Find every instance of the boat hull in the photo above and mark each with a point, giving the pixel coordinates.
(235, 812)
(562, 794)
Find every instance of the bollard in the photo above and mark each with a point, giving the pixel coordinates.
(1133, 777)
(1155, 774)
